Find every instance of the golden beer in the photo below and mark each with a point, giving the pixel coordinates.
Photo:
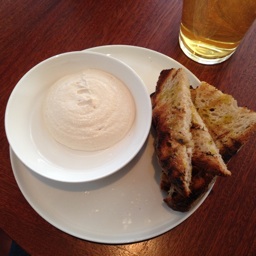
(211, 30)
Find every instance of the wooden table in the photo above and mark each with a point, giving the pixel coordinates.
(31, 31)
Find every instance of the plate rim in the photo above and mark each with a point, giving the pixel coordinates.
(107, 240)
(81, 176)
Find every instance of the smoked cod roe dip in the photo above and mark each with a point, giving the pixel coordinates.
(91, 110)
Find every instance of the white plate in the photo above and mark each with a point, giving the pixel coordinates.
(36, 148)
(124, 207)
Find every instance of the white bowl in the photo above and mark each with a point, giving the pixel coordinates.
(31, 142)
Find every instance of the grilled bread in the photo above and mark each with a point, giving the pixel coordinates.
(207, 163)
(206, 155)
(171, 119)
(184, 147)
(200, 183)
(229, 124)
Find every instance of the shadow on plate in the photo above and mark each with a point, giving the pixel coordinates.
(93, 185)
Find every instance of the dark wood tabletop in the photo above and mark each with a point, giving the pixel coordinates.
(31, 31)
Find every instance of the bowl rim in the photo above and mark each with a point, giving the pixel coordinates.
(78, 177)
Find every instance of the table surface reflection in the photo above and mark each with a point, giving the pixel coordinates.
(32, 31)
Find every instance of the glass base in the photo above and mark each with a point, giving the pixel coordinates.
(200, 59)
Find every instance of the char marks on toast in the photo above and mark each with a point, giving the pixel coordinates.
(229, 124)
(185, 149)
(206, 156)
(171, 119)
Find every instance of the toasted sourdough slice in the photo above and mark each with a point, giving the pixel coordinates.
(171, 105)
(200, 183)
(182, 135)
(206, 155)
(229, 124)
(207, 163)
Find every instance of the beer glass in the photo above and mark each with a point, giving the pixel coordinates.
(211, 30)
